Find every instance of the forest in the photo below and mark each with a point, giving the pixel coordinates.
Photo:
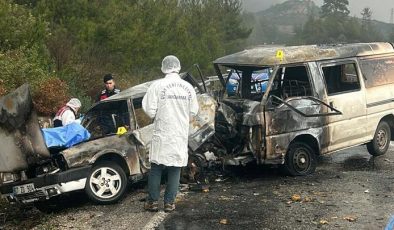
(64, 48)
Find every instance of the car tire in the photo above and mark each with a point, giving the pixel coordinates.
(106, 183)
(381, 140)
(300, 160)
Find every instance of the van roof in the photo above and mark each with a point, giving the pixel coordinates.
(274, 55)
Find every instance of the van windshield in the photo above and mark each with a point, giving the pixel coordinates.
(246, 83)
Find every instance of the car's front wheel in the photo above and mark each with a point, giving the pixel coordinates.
(106, 183)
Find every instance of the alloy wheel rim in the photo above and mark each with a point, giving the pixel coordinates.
(105, 182)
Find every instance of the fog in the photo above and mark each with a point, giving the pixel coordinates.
(381, 9)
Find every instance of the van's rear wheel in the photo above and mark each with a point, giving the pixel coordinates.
(106, 183)
(381, 140)
(300, 160)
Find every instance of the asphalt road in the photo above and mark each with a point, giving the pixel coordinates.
(349, 190)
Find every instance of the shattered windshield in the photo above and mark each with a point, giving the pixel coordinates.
(249, 82)
(246, 82)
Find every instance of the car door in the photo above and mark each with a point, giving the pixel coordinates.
(345, 92)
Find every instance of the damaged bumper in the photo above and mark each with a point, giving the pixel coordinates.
(45, 187)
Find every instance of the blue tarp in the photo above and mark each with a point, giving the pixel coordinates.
(65, 136)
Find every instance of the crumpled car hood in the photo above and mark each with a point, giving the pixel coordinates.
(21, 140)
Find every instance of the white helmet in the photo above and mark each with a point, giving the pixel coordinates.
(170, 64)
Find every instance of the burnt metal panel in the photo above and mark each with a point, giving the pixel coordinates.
(283, 125)
(267, 55)
(252, 113)
(202, 126)
(277, 145)
(20, 136)
(88, 152)
(282, 119)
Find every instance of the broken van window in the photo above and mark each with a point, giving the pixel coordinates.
(290, 81)
(341, 78)
(247, 83)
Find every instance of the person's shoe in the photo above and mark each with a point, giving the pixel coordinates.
(151, 206)
(169, 207)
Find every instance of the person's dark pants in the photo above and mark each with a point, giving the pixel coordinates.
(154, 179)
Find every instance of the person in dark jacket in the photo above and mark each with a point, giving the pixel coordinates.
(110, 88)
(106, 121)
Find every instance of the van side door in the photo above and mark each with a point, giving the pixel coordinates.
(345, 92)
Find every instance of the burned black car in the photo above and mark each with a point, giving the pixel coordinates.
(103, 165)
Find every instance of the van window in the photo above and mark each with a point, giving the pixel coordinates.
(341, 78)
(291, 81)
(295, 82)
(377, 71)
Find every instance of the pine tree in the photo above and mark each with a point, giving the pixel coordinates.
(335, 8)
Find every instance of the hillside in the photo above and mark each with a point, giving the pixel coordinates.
(278, 23)
(293, 12)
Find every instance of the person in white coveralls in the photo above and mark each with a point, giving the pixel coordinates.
(171, 102)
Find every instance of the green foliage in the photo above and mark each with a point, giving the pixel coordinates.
(22, 65)
(278, 23)
(81, 40)
(19, 27)
(334, 26)
(335, 9)
(368, 29)
(391, 36)
(86, 100)
(23, 56)
(52, 95)
(130, 38)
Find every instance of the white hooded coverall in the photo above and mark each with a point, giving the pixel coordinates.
(170, 101)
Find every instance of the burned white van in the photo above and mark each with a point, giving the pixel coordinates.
(318, 99)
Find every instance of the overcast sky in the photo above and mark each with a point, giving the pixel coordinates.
(381, 9)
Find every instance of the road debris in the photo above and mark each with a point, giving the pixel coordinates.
(224, 221)
(322, 222)
(350, 218)
(296, 198)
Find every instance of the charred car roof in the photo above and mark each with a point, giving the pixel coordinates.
(132, 92)
(268, 55)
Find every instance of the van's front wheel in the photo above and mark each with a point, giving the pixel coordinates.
(381, 140)
(300, 160)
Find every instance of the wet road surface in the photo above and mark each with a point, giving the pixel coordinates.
(349, 190)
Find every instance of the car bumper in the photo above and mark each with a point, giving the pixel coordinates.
(47, 186)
